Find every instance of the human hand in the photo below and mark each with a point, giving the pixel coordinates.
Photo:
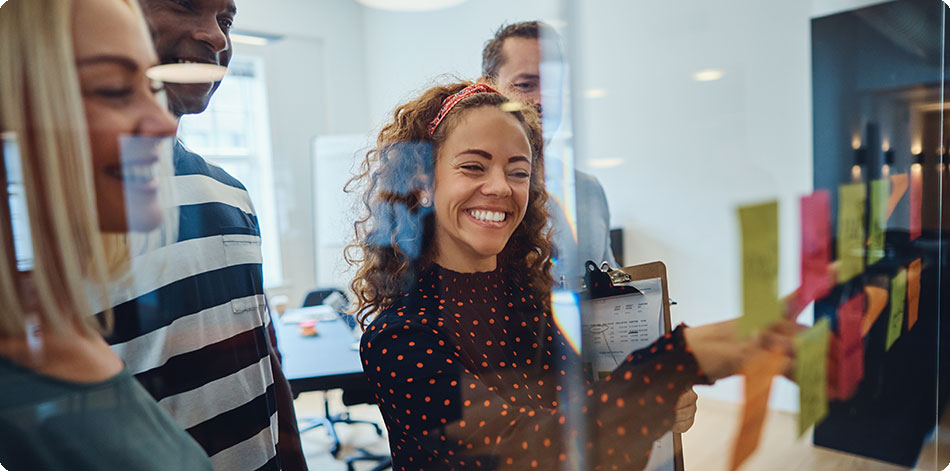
(720, 351)
(685, 411)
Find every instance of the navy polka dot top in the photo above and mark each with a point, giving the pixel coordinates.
(471, 374)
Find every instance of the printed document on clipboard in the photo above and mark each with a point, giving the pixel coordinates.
(626, 310)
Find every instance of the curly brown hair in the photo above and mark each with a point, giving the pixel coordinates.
(394, 238)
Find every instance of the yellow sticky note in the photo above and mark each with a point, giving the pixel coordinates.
(851, 200)
(895, 324)
(877, 223)
(811, 374)
(760, 305)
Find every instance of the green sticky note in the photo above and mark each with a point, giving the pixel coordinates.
(895, 324)
(811, 374)
(877, 224)
(851, 199)
(760, 305)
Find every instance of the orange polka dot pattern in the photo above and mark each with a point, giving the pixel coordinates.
(470, 374)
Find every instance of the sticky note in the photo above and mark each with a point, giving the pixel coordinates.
(760, 304)
(851, 199)
(845, 369)
(877, 301)
(758, 372)
(895, 324)
(899, 184)
(816, 246)
(811, 374)
(877, 221)
(850, 318)
(916, 195)
(913, 292)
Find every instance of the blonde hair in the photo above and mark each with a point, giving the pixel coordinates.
(41, 104)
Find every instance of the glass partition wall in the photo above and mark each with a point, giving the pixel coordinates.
(467, 235)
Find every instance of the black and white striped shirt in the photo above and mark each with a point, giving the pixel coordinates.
(190, 321)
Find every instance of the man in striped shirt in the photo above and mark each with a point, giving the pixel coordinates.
(191, 322)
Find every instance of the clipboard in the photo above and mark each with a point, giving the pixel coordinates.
(616, 306)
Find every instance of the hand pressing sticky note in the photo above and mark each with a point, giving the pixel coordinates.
(760, 304)
(816, 246)
(895, 323)
(913, 292)
(851, 200)
(877, 223)
(811, 374)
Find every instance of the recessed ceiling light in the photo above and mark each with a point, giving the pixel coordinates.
(708, 75)
(411, 5)
(253, 38)
(594, 93)
(605, 162)
(249, 40)
(187, 73)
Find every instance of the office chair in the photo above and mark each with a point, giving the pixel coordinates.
(364, 396)
(329, 421)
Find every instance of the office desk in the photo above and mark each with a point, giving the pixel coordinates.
(322, 362)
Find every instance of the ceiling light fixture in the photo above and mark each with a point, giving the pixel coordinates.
(594, 93)
(605, 162)
(708, 75)
(253, 38)
(187, 73)
(410, 5)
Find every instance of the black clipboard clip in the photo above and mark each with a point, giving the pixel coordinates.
(604, 281)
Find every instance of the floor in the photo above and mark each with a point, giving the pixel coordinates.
(316, 443)
(707, 445)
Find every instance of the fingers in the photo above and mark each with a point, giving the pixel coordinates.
(685, 412)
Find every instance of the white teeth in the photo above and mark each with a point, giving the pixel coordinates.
(491, 216)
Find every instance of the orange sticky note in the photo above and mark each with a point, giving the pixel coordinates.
(899, 184)
(877, 301)
(758, 373)
(913, 292)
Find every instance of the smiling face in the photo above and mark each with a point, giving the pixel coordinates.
(191, 31)
(482, 178)
(112, 53)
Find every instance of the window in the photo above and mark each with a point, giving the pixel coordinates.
(234, 134)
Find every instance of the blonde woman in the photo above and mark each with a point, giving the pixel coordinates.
(72, 83)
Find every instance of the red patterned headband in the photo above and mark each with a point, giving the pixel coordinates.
(453, 100)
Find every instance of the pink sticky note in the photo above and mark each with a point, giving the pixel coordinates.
(846, 369)
(816, 246)
(850, 318)
(916, 195)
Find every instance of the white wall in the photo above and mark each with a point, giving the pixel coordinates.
(316, 86)
(692, 152)
(405, 52)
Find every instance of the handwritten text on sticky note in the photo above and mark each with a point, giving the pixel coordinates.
(760, 304)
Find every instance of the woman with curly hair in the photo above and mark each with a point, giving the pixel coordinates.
(469, 367)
